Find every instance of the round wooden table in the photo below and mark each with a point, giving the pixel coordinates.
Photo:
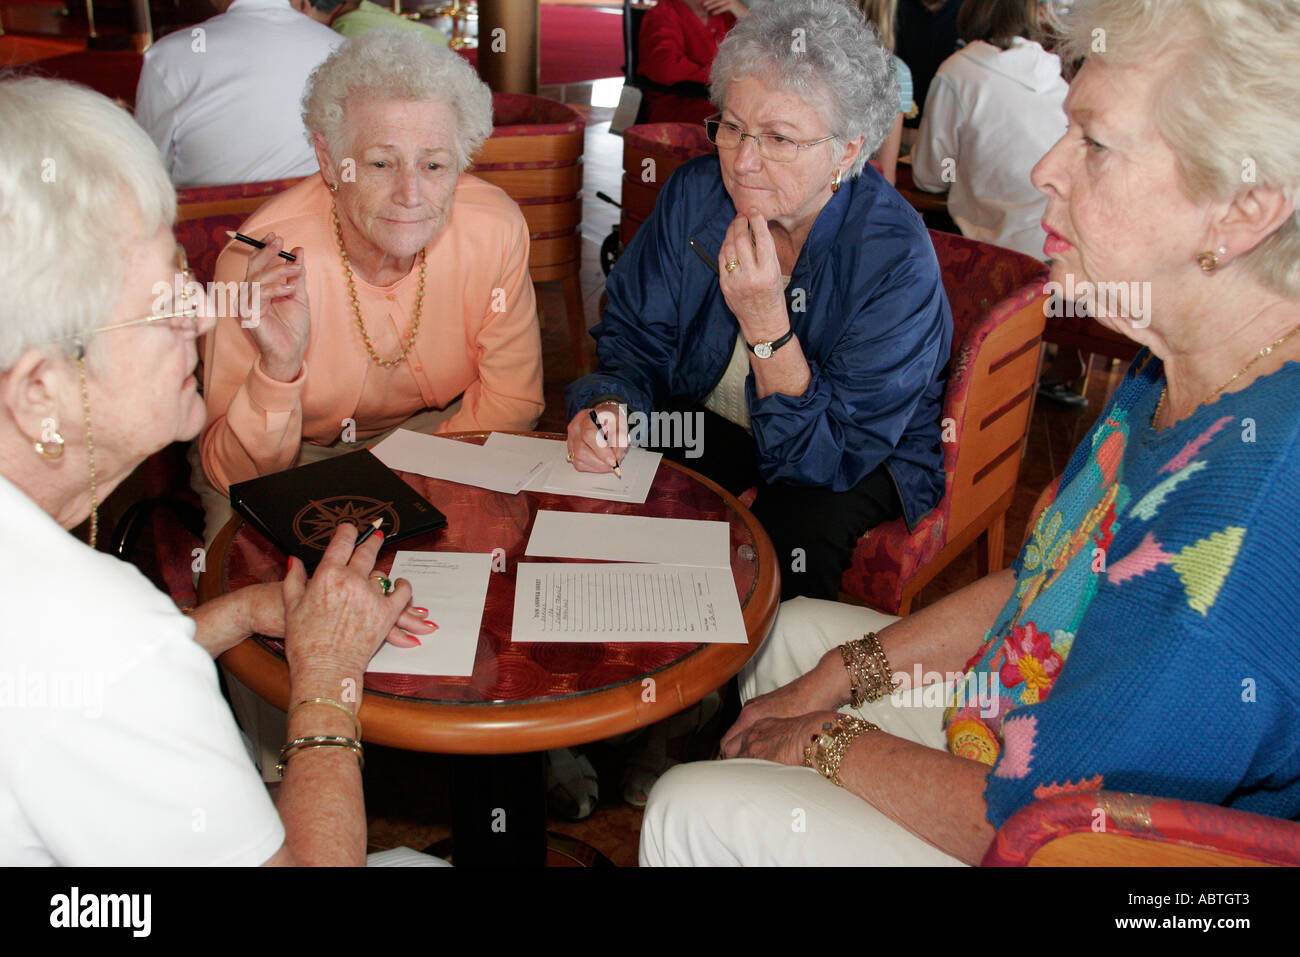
(526, 698)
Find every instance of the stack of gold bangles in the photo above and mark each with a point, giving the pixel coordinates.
(870, 677)
(828, 748)
(307, 743)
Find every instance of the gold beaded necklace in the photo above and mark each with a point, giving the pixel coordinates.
(356, 303)
(1155, 417)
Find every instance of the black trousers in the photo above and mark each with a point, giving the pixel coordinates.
(814, 530)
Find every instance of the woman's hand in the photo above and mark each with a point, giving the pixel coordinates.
(282, 325)
(588, 450)
(263, 609)
(781, 739)
(823, 688)
(339, 618)
(734, 7)
(753, 287)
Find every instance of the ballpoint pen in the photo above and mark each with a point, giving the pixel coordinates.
(604, 438)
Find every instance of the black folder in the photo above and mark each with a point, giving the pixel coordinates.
(298, 509)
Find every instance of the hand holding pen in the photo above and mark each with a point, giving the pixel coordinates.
(597, 441)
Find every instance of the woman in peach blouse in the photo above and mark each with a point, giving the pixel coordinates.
(410, 293)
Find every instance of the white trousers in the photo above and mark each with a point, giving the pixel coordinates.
(751, 812)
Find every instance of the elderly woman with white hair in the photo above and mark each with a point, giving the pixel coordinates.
(117, 746)
(1144, 640)
(410, 293)
(787, 297)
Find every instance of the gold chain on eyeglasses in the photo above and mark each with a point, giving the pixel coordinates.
(356, 303)
(90, 450)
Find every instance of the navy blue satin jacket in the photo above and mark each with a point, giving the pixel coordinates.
(865, 299)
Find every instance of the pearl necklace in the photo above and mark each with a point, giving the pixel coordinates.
(1155, 417)
(356, 303)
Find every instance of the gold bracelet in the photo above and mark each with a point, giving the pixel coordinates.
(870, 677)
(330, 702)
(298, 745)
(829, 747)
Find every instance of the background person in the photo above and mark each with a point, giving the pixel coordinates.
(994, 108)
(220, 100)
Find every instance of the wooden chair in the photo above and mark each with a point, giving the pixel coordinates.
(651, 153)
(1115, 829)
(535, 155)
(997, 304)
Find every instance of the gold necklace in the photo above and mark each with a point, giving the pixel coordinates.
(1239, 373)
(356, 303)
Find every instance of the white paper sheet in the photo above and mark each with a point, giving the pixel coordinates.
(630, 538)
(464, 462)
(453, 586)
(561, 478)
(581, 602)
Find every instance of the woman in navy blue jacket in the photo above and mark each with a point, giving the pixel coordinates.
(782, 292)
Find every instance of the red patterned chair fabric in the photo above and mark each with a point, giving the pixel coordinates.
(681, 141)
(996, 298)
(1105, 828)
(204, 213)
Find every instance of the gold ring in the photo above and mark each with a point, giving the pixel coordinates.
(568, 456)
(732, 265)
(385, 586)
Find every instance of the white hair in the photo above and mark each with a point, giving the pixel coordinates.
(393, 64)
(1227, 105)
(73, 169)
(823, 51)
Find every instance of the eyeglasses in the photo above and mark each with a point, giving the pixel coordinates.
(186, 320)
(771, 146)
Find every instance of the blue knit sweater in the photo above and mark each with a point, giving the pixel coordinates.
(1151, 643)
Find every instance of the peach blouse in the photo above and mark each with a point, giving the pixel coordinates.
(479, 338)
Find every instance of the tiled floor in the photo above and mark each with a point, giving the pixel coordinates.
(407, 794)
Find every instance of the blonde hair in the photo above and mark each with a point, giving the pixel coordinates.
(1227, 104)
(884, 14)
(73, 169)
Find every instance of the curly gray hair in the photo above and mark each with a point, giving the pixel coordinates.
(73, 169)
(823, 51)
(393, 64)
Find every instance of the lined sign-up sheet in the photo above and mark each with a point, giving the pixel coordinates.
(573, 601)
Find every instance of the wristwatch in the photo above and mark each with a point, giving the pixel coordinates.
(764, 349)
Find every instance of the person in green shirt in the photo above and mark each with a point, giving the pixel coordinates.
(353, 17)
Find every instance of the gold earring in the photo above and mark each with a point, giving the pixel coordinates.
(835, 183)
(50, 444)
(334, 187)
(1209, 261)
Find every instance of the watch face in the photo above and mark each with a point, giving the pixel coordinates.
(763, 350)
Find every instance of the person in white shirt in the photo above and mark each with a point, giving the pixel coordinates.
(994, 108)
(116, 747)
(222, 99)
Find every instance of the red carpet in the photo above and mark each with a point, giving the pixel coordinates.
(577, 44)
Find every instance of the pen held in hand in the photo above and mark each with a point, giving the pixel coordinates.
(604, 438)
(366, 533)
(258, 244)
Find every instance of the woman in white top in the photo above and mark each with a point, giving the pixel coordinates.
(116, 747)
(994, 108)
